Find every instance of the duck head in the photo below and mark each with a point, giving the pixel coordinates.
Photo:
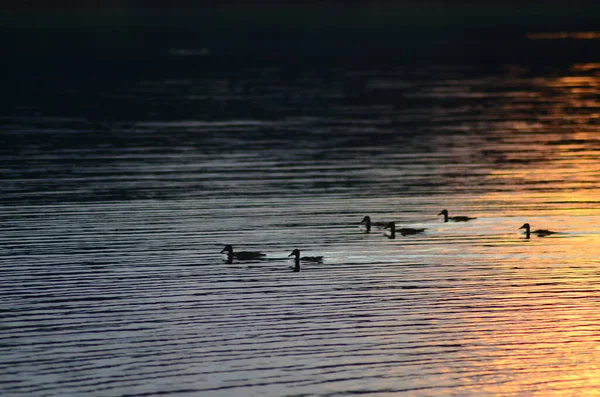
(525, 226)
(392, 227)
(444, 212)
(367, 222)
(228, 249)
(296, 254)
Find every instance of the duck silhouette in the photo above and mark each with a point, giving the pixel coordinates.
(455, 218)
(241, 255)
(367, 222)
(405, 231)
(297, 259)
(538, 232)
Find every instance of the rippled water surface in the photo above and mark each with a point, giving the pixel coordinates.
(117, 197)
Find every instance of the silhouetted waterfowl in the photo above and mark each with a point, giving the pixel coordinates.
(367, 222)
(405, 231)
(242, 255)
(539, 232)
(455, 218)
(297, 259)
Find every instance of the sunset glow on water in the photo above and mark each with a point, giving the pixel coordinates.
(119, 191)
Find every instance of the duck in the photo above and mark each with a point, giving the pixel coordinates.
(455, 218)
(242, 255)
(297, 259)
(367, 222)
(539, 232)
(405, 231)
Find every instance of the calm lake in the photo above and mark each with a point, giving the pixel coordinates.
(120, 189)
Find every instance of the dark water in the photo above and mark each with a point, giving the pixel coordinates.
(120, 188)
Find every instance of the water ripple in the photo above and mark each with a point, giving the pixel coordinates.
(113, 282)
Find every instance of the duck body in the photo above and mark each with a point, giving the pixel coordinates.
(405, 231)
(538, 232)
(455, 218)
(241, 255)
(297, 259)
(367, 222)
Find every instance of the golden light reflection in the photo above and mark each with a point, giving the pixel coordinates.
(574, 97)
(586, 66)
(542, 337)
(574, 81)
(564, 35)
(546, 343)
(558, 159)
(531, 327)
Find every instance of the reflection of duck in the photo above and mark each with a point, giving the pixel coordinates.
(297, 259)
(455, 218)
(539, 232)
(242, 255)
(403, 231)
(367, 222)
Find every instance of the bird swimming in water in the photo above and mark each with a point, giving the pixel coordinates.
(539, 232)
(455, 218)
(405, 231)
(367, 222)
(242, 255)
(297, 259)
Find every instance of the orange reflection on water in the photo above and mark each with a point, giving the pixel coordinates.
(545, 346)
(560, 155)
(586, 66)
(564, 35)
(574, 81)
(546, 342)
(531, 327)
(561, 165)
(537, 332)
(573, 97)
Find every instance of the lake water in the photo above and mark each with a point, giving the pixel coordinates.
(119, 190)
